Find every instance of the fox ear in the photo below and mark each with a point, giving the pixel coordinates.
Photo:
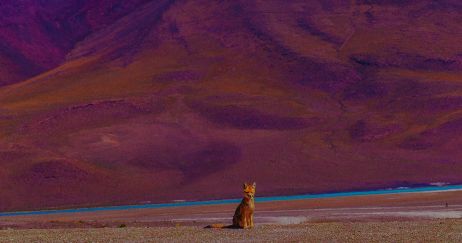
(254, 185)
(245, 185)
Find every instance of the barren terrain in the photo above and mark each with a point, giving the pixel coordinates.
(412, 217)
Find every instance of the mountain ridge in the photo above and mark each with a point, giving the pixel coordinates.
(187, 99)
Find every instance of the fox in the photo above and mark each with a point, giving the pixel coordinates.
(243, 216)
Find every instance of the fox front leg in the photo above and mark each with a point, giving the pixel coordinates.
(247, 221)
(242, 223)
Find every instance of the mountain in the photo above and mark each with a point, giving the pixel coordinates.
(117, 102)
(36, 35)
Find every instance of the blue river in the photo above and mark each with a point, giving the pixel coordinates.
(227, 201)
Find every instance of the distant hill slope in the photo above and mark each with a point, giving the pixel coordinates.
(162, 100)
(37, 35)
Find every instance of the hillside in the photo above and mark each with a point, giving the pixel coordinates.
(111, 103)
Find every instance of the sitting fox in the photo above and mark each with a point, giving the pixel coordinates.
(243, 217)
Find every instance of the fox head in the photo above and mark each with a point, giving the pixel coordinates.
(249, 190)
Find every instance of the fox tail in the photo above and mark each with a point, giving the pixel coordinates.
(218, 226)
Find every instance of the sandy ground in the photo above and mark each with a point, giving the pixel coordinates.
(414, 217)
(400, 231)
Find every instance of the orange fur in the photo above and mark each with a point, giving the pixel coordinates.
(243, 216)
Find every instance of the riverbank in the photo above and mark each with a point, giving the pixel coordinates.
(405, 206)
(406, 217)
(181, 203)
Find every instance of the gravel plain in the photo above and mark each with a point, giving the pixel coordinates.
(437, 230)
(413, 217)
